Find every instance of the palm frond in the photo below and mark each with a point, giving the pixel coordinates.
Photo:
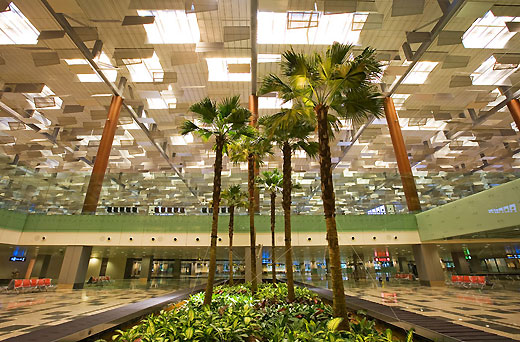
(206, 109)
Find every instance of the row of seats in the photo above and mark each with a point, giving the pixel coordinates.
(26, 285)
(469, 281)
(407, 276)
(100, 280)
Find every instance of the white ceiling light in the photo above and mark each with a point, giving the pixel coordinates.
(272, 29)
(486, 74)
(218, 68)
(15, 28)
(145, 70)
(488, 32)
(172, 27)
(420, 72)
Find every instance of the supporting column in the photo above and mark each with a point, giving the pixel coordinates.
(514, 109)
(410, 191)
(30, 268)
(40, 266)
(428, 264)
(460, 263)
(177, 268)
(101, 162)
(359, 265)
(146, 268)
(74, 267)
(403, 264)
(247, 262)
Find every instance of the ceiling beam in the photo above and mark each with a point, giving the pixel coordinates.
(483, 116)
(62, 21)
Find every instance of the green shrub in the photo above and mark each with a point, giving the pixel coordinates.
(236, 315)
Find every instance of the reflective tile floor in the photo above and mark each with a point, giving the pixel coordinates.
(493, 310)
(26, 312)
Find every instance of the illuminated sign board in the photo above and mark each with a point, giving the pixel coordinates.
(17, 258)
(506, 209)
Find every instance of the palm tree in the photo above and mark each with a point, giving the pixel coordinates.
(290, 129)
(272, 182)
(226, 121)
(339, 84)
(234, 197)
(251, 150)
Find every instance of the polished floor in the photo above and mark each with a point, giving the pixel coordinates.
(26, 312)
(493, 310)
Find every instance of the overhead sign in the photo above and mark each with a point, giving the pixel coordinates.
(16, 258)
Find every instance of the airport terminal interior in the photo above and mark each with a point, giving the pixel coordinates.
(107, 198)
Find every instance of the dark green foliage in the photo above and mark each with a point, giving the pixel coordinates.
(236, 315)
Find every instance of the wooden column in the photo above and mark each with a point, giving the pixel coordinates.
(410, 191)
(514, 109)
(253, 108)
(103, 153)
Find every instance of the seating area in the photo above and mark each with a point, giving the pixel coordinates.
(404, 276)
(29, 285)
(102, 280)
(468, 281)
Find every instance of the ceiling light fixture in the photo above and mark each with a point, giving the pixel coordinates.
(172, 27)
(15, 28)
(488, 32)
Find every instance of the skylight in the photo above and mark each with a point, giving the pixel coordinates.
(104, 64)
(218, 68)
(331, 28)
(272, 103)
(399, 100)
(15, 28)
(420, 72)
(486, 74)
(47, 99)
(172, 27)
(488, 32)
(145, 70)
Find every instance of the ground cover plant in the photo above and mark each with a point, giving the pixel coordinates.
(235, 314)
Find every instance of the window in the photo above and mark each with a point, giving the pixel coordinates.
(15, 28)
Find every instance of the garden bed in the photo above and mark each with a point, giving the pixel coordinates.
(237, 315)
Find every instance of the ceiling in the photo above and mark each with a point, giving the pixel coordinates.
(458, 143)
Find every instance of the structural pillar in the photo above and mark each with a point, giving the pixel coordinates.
(30, 268)
(474, 265)
(177, 268)
(74, 267)
(410, 191)
(101, 162)
(514, 109)
(403, 264)
(460, 263)
(253, 108)
(41, 265)
(428, 264)
(359, 263)
(146, 268)
(258, 264)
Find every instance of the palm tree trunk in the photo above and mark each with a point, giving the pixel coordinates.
(286, 204)
(273, 241)
(329, 208)
(231, 223)
(251, 210)
(214, 223)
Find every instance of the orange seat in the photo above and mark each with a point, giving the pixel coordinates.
(26, 283)
(454, 279)
(41, 282)
(18, 283)
(47, 282)
(465, 279)
(481, 280)
(34, 282)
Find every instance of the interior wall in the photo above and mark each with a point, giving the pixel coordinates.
(7, 267)
(94, 266)
(53, 271)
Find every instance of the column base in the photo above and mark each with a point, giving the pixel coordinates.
(68, 287)
(432, 283)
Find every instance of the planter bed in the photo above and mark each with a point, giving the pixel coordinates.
(236, 315)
